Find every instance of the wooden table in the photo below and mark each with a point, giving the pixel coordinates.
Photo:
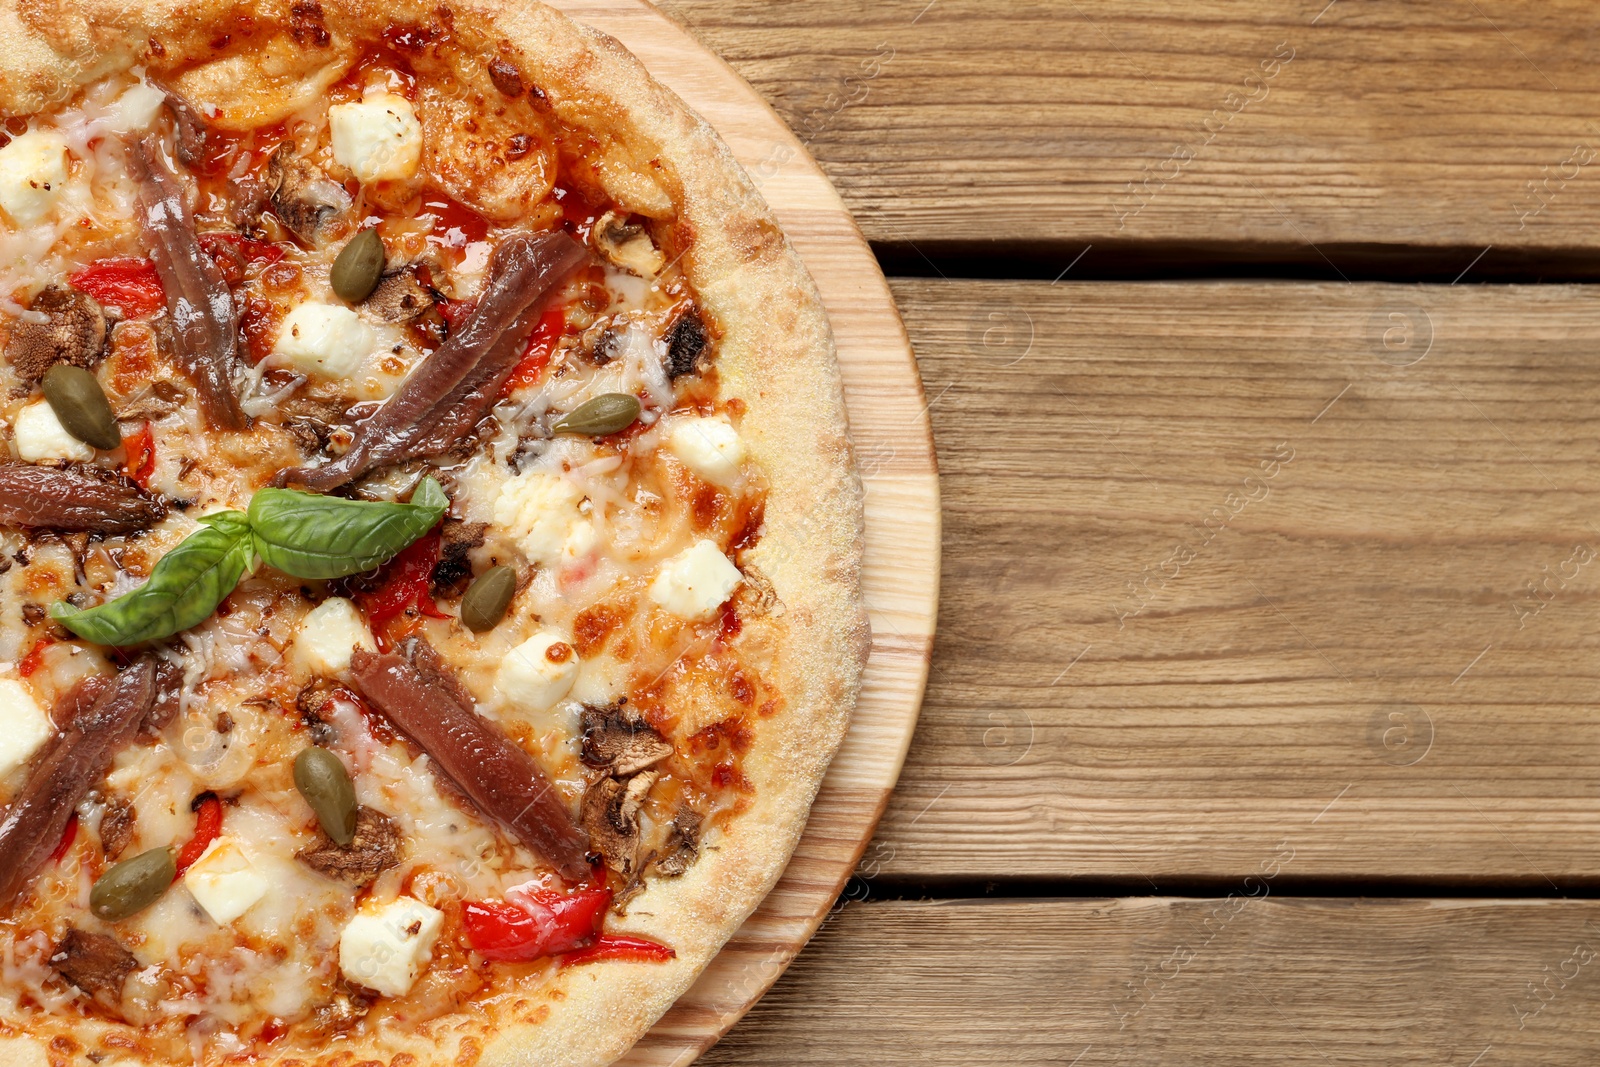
(1262, 717)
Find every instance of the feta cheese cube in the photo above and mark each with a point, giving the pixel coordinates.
(224, 882)
(540, 512)
(324, 339)
(136, 108)
(696, 582)
(24, 727)
(386, 947)
(538, 672)
(40, 435)
(379, 139)
(710, 447)
(328, 635)
(33, 173)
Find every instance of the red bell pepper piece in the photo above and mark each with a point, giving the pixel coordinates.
(620, 947)
(407, 581)
(34, 659)
(68, 835)
(541, 346)
(140, 447)
(539, 924)
(232, 252)
(130, 284)
(207, 828)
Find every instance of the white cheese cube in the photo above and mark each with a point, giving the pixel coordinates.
(33, 174)
(538, 672)
(379, 139)
(40, 435)
(224, 882)
(540, 512)
(328, 635)
(710, 447)
(324, 339)
(24, 727)
(386, 947)
(136, 108)
(696, 582)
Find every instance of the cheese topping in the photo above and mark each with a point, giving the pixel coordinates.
(33, 175)
(378, 139)
(24, 727)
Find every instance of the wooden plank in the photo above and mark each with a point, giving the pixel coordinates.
(1236, 563)
(1159, 981)
(1235, 122)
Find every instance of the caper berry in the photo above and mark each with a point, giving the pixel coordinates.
(605, 414)
(81, 405)
(323, 781)
(487, 599)
(358, 267)
(133, 885)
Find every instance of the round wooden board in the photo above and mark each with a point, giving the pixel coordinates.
(894, 447)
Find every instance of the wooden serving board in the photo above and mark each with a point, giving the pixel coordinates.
(894, 448)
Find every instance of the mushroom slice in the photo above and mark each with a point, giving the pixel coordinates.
(74, 331)
(616, 738)
(303, 196)
(400, 297)
(96, 963)
(610, 815)
(626, 244)
(686, 343)
(682, 847)
(374, 849)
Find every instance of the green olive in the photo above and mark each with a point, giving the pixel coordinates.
(322, 780)
(605, 414)
(81, 406)
(132, 885)
(487, 599)
(358, 267)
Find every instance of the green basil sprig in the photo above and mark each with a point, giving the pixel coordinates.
(184, 587)
(313, 536)
(302, 534)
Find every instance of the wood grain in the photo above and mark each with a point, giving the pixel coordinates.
(889, 427)
(1206, 124)
(1160, 981)
(1235, 564)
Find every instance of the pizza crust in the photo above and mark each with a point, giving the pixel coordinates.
(776, 354)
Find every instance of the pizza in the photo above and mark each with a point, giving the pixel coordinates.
(429, 538)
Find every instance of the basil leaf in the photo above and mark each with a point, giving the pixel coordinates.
(183, 589)
(310, 535)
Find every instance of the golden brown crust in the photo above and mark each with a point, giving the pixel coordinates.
(658, 159)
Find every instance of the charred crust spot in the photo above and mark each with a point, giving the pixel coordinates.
(95, 963)
(506, 78)
(306, 25)
(593, 626)
(74, 331)
(375, 848)
(519, 145)
(617, 739)
(686, 344)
